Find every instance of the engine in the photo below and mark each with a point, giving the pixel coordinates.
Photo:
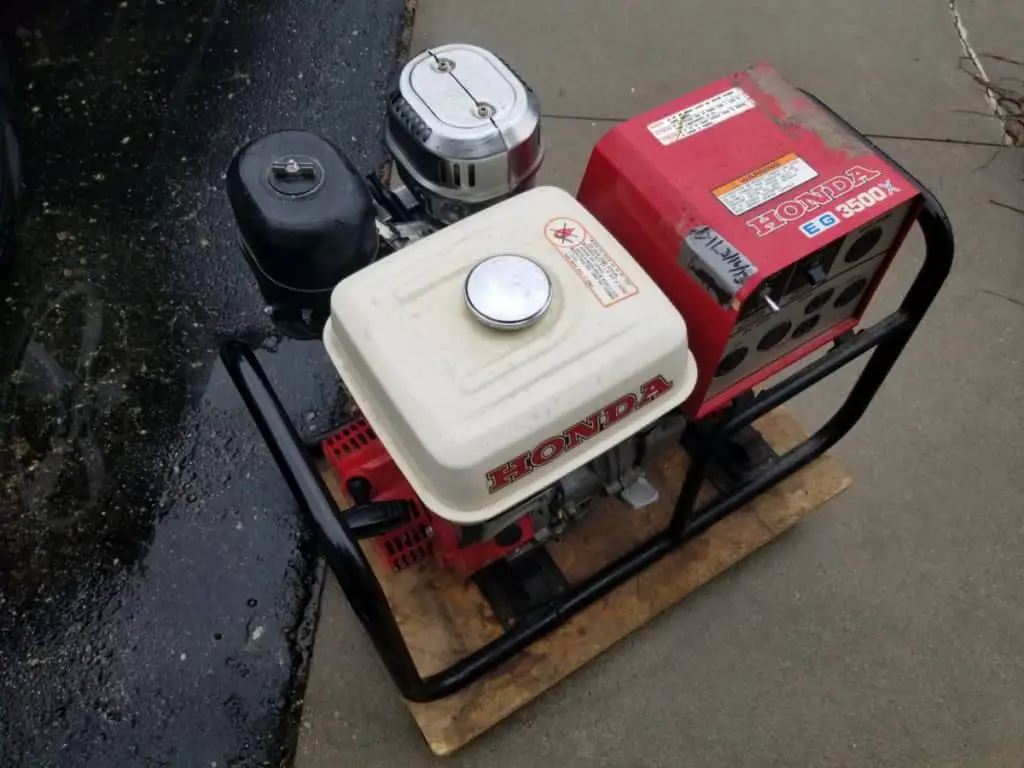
(513, 365)
(509, 360)
(513, 351)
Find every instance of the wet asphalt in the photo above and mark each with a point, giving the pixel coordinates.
(157, 588)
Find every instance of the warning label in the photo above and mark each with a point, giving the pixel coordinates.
(766, 183)
(595, 266)
(701, 116)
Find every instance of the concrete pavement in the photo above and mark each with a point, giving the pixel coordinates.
(885, 630)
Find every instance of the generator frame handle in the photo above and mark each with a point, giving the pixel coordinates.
(363, 590)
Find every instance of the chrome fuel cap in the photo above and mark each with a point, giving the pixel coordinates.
(508, 291)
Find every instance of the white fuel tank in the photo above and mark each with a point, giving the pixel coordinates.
(502, 352)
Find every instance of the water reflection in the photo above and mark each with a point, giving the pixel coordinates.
(70, 396)
(154, 577)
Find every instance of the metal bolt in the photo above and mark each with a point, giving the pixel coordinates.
(451, 212)
(290, 168)
(444, 65)
(484, 110)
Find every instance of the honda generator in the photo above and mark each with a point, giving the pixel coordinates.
(514, 351)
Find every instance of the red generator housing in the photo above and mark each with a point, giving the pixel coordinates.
(767, 222)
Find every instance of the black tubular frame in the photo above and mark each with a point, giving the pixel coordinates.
(343, 554)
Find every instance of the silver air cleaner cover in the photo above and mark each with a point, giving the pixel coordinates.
(464, 130)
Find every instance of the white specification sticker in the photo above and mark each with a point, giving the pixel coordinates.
(595, 266)
(764, 184)
(701, 116)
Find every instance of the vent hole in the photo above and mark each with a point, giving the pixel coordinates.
(851, 292)
(806, 326)
(731, 361)
(819, 301)
(774, 336)
(863, 245)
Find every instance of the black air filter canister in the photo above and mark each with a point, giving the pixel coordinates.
(305, 217)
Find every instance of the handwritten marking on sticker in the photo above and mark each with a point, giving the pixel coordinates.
(716, 263)
(700, 117)
(588, 258)
(766, 183)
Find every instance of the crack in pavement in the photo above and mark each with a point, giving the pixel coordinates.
(935, 140)
(1011, 122)
(982, 76)
(1002, 296)
(891, 136)
(1008, 207)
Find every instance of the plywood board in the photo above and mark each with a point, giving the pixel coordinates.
(444, 618)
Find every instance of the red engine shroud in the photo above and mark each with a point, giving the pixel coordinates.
(762, 182)
(355, 451)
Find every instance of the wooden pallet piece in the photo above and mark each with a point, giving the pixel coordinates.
(444, 618)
